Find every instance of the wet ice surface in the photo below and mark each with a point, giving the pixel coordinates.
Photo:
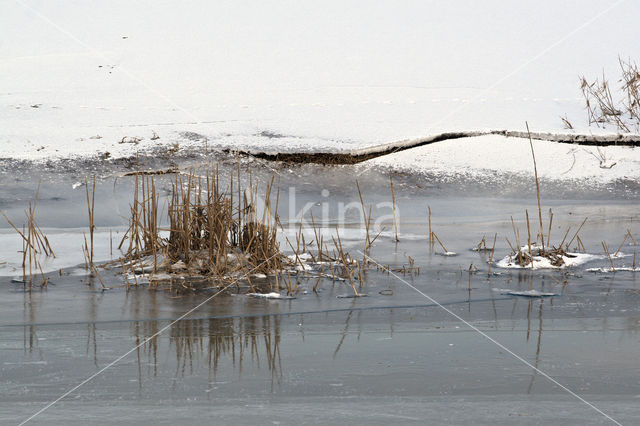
(391, 357)
(352, 364)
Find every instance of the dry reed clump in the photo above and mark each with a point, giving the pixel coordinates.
(315, 259)
(34, 244)
(622, 111)
(214, 238)
(557, 256)
(536, 248)
(218, 236)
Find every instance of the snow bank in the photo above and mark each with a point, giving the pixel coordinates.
(490, 154)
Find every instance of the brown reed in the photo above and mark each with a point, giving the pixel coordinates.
(212, 234)
(34, 243)
(393, 197)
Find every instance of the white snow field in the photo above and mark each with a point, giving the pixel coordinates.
(77, 78)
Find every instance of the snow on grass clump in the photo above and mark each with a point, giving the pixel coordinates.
(546, 259)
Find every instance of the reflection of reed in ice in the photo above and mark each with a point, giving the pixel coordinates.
(211, 341)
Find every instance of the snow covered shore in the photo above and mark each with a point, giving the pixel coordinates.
(491, 154)
(113, 79)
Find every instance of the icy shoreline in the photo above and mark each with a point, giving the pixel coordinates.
(596, 159)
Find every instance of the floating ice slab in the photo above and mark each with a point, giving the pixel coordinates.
(271, 295)
(610, 269)
(447, 253)
(351, 296)
(525, 293)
